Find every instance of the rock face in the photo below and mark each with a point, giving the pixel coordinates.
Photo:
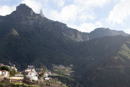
(41, 13)
(22, 13)
(23, 10)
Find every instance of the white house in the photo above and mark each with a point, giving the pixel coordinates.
(31, 74)
(27, 70)
(4, 73)
(12, 67)
(49, 73)
(45, 75)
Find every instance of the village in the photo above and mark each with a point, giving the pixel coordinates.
(30, 76)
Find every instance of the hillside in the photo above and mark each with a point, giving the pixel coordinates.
(30, 38)
(104, 62)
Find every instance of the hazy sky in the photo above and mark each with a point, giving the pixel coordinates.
(84, 15)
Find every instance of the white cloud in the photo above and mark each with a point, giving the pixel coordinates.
(120, 12)
(92, 3)
(68, 13)
(82, 17)
(127, 30)
(78, 12)
(36, 5)
(60, 3)
(4, 10)
(87, 27)
(98, 24)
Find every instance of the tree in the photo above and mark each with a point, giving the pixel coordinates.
(5, 68)
(12, 72)
(41, 75)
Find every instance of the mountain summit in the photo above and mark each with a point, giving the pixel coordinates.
(23, 10)
(101, 32)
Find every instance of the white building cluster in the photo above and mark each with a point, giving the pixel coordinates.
(31, 74)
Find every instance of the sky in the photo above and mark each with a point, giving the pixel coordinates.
(83, 15)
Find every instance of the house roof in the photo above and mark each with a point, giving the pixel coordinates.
(27, 69)
(4, 70)
(30, 72)
(40, 72)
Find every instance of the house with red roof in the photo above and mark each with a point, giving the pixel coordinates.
(30, 74)
(4, 73)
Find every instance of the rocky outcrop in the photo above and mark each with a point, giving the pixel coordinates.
(41, 13)
(23, 10)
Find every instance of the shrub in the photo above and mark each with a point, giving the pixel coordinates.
(5, 68)
(5, 78)
(12, 72)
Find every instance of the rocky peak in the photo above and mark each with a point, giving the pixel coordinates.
(41, 13)
(23, 10)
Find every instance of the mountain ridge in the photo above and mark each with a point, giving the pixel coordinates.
(29, 17)
(100, 32)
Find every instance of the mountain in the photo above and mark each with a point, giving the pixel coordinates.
(26, 16)
(27, 38)
(103, 62)
(100, 58)
(101, 32)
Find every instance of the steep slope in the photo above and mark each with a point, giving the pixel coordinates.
(28, 38)
(34, 47)
(105, 47)
(105, 62)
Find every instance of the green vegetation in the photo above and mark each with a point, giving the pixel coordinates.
(54, 82)
(13, 32)
(12, 72)
(16, 85)
(41, 75)
(4, 68)
(65, 71)
(65, 75)
(65, 80)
